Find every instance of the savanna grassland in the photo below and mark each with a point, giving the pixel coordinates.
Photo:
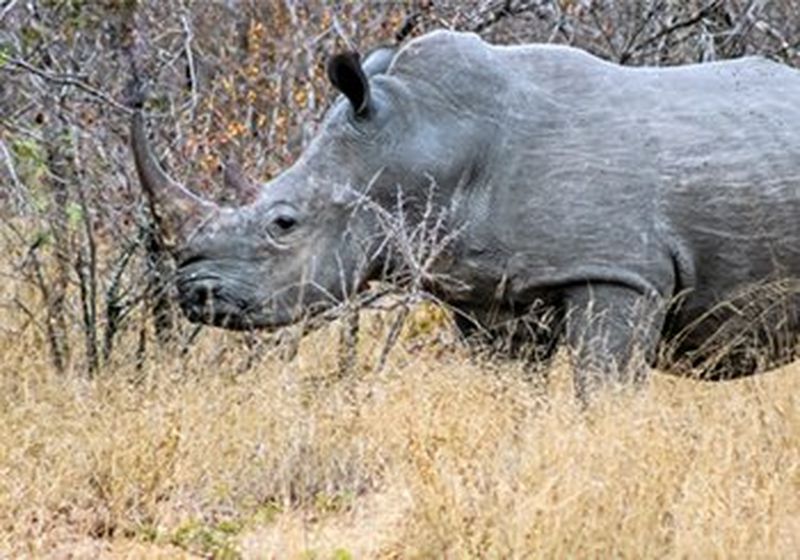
(125, 432)
(225, 453)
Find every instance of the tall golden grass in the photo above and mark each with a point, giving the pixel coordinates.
(438, 456)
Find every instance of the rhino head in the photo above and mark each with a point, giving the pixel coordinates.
(306, 240)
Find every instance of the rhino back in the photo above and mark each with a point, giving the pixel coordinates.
(670, 179)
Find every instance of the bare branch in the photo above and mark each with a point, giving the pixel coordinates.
(187, 47)
(69, 80)
(505, 11)
(19, 188)
(7, 8)
(681, 24)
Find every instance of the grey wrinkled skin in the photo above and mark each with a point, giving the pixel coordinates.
(644, 211)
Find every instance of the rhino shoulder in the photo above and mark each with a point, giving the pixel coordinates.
(446, 39)
(428, 52)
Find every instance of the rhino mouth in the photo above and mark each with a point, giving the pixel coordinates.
(202, 302)
(218, 314)
(208, 300)
(221, 297)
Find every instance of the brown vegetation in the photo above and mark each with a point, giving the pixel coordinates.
(125, 431)
(219, 453)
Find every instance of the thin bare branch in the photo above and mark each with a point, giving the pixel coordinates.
(69, 80)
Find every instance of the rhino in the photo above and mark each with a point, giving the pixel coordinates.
(636, 216)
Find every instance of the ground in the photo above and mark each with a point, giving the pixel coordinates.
(439, 455)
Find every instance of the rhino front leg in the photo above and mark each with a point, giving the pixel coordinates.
(531, 338)
(612, 332)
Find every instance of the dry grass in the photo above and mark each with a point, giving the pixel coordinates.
(436, 457)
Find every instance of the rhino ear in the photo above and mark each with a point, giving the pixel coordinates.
(346, 75)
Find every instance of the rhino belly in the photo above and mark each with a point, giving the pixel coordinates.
(750, 329)
(742, 313)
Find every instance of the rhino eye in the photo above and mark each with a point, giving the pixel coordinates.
(282, 220)
(284, 223)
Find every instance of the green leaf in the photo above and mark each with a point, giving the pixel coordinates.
(196, 536)
(74, 214)
(31, 37)
(5, 54)
(28, 151)
(342, 554)
(42, 239)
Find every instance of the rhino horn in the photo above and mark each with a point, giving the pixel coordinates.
(245, 189)
(173, 205)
